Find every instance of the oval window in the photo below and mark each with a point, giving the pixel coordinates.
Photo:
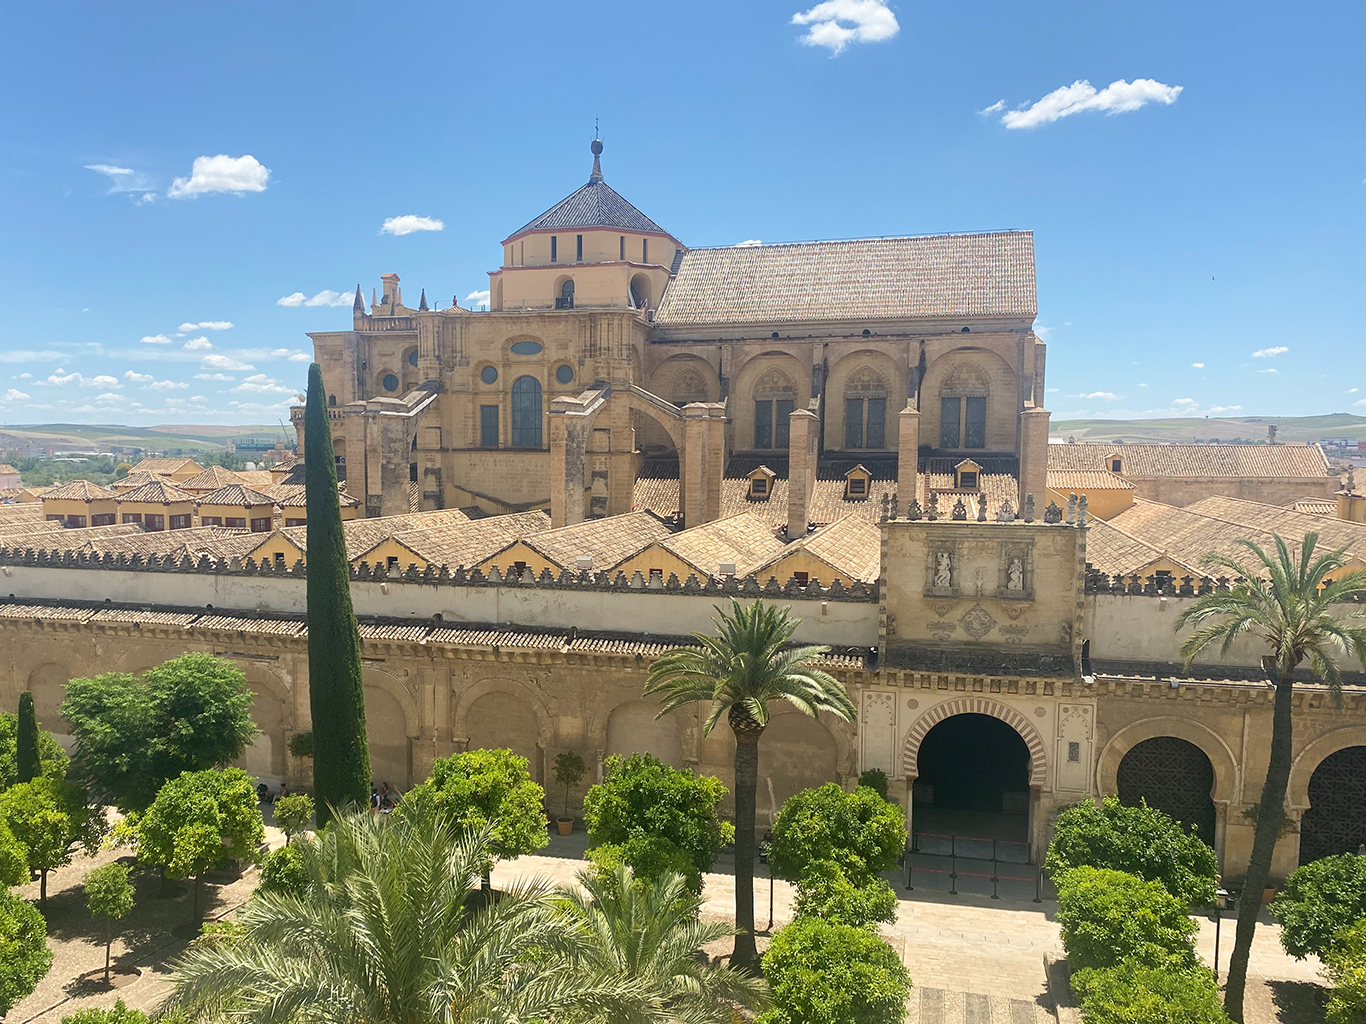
(412, 358)
(488, 374)
(390, 382)
(527, 348)
(564, 374)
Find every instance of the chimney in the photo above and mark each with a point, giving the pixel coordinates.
(801, 470)
(908, 456)
(1034, 453)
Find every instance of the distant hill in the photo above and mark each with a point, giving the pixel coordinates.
(1225, 429)
(34, 438)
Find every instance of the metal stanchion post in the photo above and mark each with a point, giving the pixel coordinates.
(953, 865)
(995, 872)
(1038, 885)
(1220, 902)
(770, 899)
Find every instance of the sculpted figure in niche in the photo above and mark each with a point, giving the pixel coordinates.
(1015, 574)
(943, 570)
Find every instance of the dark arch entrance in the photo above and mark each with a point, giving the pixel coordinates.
(1336, 819)
(973, 779)
(1174, 776)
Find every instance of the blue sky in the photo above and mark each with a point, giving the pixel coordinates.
(1201, 201)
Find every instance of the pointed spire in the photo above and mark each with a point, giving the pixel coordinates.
(422, 303)
(374, 299)
(596, 176)
(359, 304)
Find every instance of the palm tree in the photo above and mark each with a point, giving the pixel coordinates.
(651, 933)
(747, 665)
(1287, 602)
(389, 928)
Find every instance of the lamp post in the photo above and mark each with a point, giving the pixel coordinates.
(1220, 902)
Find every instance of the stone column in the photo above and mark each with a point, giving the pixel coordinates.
(801, 470)
(908, 456)
(1034, 454)
(568, 443)
(702, 462)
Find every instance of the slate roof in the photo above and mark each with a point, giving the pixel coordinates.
(80, 490)
(595, 205)
(1195, 460)
(864, 279)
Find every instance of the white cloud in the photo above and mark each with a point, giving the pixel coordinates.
(109, 397)
(1352, 391)
(138, 378)
(125, 179)
(1197, 366)
(206, 325)
(1116, 98)
(300, 357)
(995, 108)
(60, 379)
(835, 24)
(408, 223)
(478, 298)
(1106, 396)
(749, 243)
(15, 395)
(1185, 403)
(1143, 385)
(214, 376)
(1270, 353)
(260, 384)
(198, 345)
(166, 385)
(103, 380)
(1215, 410)
(1269, 370)
(157, 339)
(1050, 390)
(221, 174)
(327, 297)
(1360, 401)
(219, 362)
(26, 376)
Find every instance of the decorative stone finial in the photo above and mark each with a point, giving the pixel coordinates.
(1007, 513)
(886, 503)
(1052, 514)
(597, 161)
(359, 305)
(1081, 511)
(1071, 509)
(932, 508)
(960, 511)
(981, 508)
(422, 302)
(896, 509)
(913, 510)
(1028, 508)
(1351, 480)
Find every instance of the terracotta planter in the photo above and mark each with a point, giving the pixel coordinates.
(1268, 894)
(565, 825)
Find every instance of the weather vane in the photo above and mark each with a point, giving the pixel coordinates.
(595, 127)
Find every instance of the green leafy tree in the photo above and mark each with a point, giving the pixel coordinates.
(198, 820)
(1345, 964)
(490, 789)
(51, 820)
(301, 745)
(293, 813)
(13, 858)
(116, 1014)
(860, 832)
(1288, 603)
(649, 933)
(875, 779)
(50, 753)
(388, 930)
(336, 693)
(834, 974)
(1130, 994)
(569, 771)
(24, 956)
(1110, 917)
(282, 871)
(108, 895)
(26, 754)
(825, 891)
(655, 818)
(1140, 840)
(740, 671)
(1317, 901)
(133, 735)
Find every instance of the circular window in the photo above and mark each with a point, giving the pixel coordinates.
(527, 348)
(412, 358)
(390, 382)
(488, 374)
(564, 374)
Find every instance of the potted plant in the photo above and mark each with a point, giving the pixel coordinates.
(569, 769)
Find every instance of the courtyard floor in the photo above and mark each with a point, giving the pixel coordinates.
(974, 960)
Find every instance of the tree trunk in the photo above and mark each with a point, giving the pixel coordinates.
(194, 901)
(42, 887)
(745, 956)
(108, 944)
(1269, 815)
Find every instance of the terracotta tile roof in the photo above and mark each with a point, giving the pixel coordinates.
(129, 539)
(5, 467)
(864, 279)
(252, 624)
(295, 495)
(157, 492)
(1112, 551)
(1195, 460)
(1082, 481)
(164, 467)
(132, 480)
(852, 546)
(449, 540)
(607, 541)
(1314, 506)
(21, 512)
(1289, 523)
(212, 479)
(236, 494)
(258, 478)
(748, 539)
(79, 490)
(143, 615)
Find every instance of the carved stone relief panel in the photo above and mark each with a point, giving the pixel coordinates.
(877, 731)
(1075, 737)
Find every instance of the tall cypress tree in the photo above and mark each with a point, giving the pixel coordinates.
(341, 754)
(26, 756)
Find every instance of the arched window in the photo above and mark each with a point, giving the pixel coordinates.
(526, 413)
(963, 408)
(774, 400)
(689, 387)
(332, 400)
(865, 410)
(565, 300)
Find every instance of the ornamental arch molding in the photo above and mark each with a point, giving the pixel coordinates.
(1210, 742)
(460, 710)
(1307, 761)
(387, 683)
(1038, 758)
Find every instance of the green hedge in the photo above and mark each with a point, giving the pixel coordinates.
(1318, 900)
(823, 973)
(1130, 994)
(1111, 917)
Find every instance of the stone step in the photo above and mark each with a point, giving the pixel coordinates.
(944, 1006)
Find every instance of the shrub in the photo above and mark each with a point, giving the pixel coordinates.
(1318, 900)
(655, 818)
(1129, 994)
(50, 754)
(825, 891)
(1109, 917)
(859, 831)
(490, 789)
(282, 871)
(1139, 840)
(874, 779)
(1345, 964)
(833, 974)
(117, 1014)
(293, 813)
(569, 770)
(24, 956)
(301, 745)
